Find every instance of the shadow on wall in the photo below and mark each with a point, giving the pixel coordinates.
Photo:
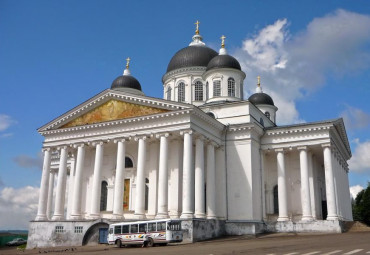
(93, 235)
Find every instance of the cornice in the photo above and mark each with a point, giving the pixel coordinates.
(169, 75)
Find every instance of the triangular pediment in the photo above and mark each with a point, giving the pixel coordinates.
(113, 110)
(111, 105)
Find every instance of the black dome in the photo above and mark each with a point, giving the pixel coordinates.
(126, 81)
(191, 56)
(223, 61)
(261, 98)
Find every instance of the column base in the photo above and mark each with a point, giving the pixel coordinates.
(94, 216)
(161, 216)
(200, 215)
(76, 217)
(307, 218)
(211, 217)
(283, 219)
(41, 218)
(187, 216)
(332, 218)
(117, 217)
(57, 217)
(140, 216)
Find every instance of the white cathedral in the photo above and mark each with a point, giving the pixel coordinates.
(202, 154)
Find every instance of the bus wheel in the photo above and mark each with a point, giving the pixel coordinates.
(150, 242)
(119, 244)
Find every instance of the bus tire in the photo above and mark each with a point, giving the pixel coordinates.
(119, 243)
(150, 242)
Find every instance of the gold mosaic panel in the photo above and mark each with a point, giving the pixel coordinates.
(113, 110)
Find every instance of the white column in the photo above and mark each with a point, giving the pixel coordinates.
(199, 179)
(96, 187)
(44, 187)
(77, 183)
(163, 178)
(282, 189)
(140, 180)
(61, 185)
(119, 180)
(50, 194)
(175, 187)
(211, 182)
(153, 180)
(311, 177)
(305, 184)
(329, 183)
(188, 177)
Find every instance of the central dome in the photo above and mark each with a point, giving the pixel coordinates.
(191, 56)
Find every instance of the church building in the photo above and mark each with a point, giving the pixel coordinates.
(203, 154)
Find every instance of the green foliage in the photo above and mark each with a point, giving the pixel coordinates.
(22, 247)
(361, 206)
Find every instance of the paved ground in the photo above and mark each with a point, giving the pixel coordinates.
(277, 244)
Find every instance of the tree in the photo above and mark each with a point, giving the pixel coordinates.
(361, 207)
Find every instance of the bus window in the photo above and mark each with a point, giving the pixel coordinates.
(134, 228)
(111, 231)
(117, 229)
(174, 225)
(142, 227)
(125, 229)
(151, 227)
(161, 226)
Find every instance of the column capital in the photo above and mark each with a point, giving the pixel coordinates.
(162, 134)
(46, 149)
(122, 139)
(143, 137)
(282, 150)
(82, 144)
(302, 148)
(189, 131)
(60, 147)
(213, 143)
(326, 145)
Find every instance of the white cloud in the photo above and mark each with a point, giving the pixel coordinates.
(18, 207)
(5, 122)
(354, 190)
(360, 161)
(355, 118)
(292, 66)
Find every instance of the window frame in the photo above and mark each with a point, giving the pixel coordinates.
(198, 91)
(231, 87)
(216, 88)
(181, 92)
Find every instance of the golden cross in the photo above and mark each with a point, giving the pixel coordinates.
(223, 41)
(197, 27)
(128, 63)
(258, 81)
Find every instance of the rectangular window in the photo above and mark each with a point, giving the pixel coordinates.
(125, 229)
(142, 227)
(217, 88)
(59, 229)
(117, 229)
(134, 228)
(151, 227)
(79, 229)
(161, 226)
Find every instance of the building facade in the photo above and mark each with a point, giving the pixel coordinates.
(202, 154)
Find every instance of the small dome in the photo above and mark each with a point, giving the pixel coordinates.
(126, 81)
(261, 98)
(191, 56)
(223, 61)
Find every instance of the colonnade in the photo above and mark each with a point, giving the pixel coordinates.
(195, 203)
(307, 182)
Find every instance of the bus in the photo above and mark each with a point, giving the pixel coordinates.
(145, 233)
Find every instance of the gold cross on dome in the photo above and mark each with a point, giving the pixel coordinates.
(223, 41)
(197, 27)
(128, 63)
(258, 81)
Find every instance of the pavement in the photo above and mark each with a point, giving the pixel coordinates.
(269, 244)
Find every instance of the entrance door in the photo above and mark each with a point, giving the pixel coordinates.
(126, 195)
(103, 235)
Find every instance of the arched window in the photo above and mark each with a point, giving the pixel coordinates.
(128, 163)
(207, 90)
(231, 87)
(103, 196)
(169, 90)
(276, 200)
(267, 114)
(181, 92)
(198, 91)
(211, 114)
(217, 88)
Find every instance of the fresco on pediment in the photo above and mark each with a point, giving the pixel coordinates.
(113, 110)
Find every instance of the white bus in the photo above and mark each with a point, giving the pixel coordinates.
(145, 233)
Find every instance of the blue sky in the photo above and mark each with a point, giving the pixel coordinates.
(313, 56)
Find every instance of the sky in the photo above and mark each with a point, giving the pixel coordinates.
(313, 58)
